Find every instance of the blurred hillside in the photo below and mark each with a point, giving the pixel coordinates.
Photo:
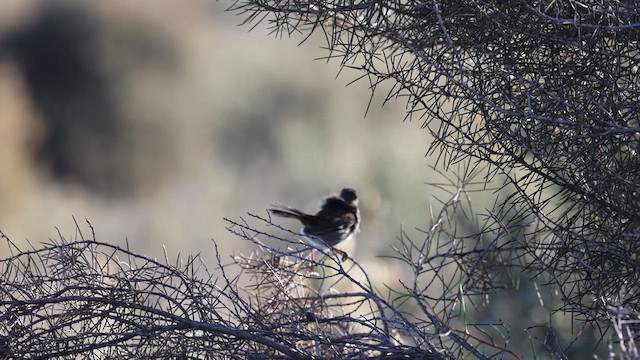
(154, 120)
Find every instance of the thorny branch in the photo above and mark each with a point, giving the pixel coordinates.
(542, 94)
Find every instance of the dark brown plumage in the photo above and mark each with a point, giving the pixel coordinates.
(338, 220)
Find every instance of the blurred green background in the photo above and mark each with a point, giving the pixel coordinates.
(156, 119)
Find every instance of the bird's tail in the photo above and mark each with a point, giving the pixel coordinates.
(288, 212)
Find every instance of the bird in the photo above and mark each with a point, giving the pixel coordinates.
(338, 220)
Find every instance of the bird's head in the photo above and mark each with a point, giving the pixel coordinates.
(348, 195)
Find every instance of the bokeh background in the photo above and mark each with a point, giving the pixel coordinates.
(155, 119)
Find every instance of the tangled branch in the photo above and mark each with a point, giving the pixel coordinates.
(89, 298)
(544, 94)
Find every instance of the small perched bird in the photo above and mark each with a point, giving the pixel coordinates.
(337, 220)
